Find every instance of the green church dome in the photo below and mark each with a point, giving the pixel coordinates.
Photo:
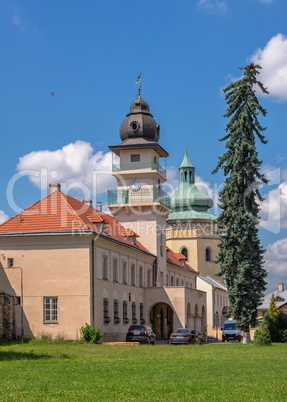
(188, 202)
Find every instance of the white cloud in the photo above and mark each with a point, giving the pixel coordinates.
(273, 60)
(18, 19)
(75, 166)
(274, 207)
(213, 6)
(3, 217)
(276, 263)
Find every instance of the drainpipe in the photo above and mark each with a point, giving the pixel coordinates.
(93, 282)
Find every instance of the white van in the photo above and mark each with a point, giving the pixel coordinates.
(230, 332)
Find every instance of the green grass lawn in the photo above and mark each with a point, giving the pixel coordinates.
(38, 371)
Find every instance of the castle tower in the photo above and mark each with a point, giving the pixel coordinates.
(139, 202)
(190, 226)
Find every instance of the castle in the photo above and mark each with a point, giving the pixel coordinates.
(64, 263)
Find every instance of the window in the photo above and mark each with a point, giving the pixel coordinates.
(134, 313)
(50, 309)
(177, 282)
(133, 275)
(142, 321)
(171, 281)
(105, 267)
(115, 270)
(166, 279)
(135, 158)
(184, 252)
(208, 256)
(10, 262)
(124, 272)
(125, 312)
(106, 310)
(141, 277)
(116, 312)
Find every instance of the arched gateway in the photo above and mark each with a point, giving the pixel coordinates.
(161, 320)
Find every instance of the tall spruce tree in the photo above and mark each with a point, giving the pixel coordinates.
(240, 253)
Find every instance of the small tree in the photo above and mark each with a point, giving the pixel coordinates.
(273, 309)
(240, 253)
(90, 334)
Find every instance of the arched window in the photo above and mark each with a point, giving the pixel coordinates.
(208, 256)
(185, 176)
(184, 252)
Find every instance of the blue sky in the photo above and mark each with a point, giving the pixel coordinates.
(89, 53)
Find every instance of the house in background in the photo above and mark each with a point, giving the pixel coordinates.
(216, 303)
(281, 300)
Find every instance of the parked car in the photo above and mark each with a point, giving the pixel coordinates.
(141, 333)
(230, 332)
(185, 336)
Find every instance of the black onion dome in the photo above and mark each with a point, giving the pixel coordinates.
(139, 123)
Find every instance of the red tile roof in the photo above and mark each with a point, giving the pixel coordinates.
(58, 212)
(180, 256)
(173, 258)
(129, 233)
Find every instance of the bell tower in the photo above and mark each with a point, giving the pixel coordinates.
(191, 228)
(139, 202)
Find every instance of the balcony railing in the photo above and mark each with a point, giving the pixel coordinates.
(139, 166)
(142, 196)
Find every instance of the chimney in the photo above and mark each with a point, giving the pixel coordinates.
(54, 187)
(280, 287)
(99, 205)
(88, 202)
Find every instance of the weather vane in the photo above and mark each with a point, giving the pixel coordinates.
(138, 81)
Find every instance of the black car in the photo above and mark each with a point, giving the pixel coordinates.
(142, 334)
(185, 336)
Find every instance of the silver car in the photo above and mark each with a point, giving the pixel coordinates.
(185, 336)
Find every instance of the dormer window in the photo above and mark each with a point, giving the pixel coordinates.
(135, 158)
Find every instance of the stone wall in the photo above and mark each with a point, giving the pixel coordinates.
(7, 316)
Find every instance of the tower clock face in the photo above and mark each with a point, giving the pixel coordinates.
(135, 185)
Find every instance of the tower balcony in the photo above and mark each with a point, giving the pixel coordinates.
(143, 196)
(139, 166)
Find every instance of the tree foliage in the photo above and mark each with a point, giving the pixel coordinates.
(273, 309)
(277, 326)
(90, 334)
(240, 252)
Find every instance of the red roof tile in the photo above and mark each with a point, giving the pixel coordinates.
(172, 257)
(180, 256)
(129, 233)
(58, 212)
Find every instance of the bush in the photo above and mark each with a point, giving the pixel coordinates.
(90, 334)
(284, 335)
(262, 337)
(276, 325)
